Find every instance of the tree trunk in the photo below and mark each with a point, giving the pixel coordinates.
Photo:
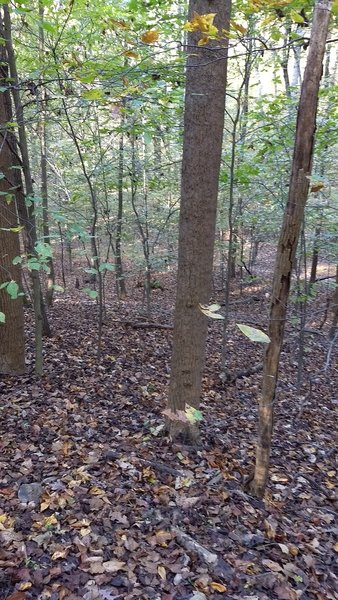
(202, 145)
(121, 284)
(12, 346)
(315, 255)
(293, 217)
(27, 215)
(334, 324)
(43, 161)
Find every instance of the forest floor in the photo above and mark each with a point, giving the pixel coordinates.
(118, 511)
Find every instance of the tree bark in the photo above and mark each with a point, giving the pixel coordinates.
(121, 284)
(203, 132)
(293, 217)
(28, 216)
(315, 255)
(43, 161)
(12, 345)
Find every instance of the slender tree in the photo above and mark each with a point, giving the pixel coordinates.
(43, 158)
(291, 228)
(203, 131)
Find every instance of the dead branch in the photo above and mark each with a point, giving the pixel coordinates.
(244, 373)
(189, 544)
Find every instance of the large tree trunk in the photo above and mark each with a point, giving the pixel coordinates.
(293, 217)
(28, 215)
(203, 132)
(12, 346)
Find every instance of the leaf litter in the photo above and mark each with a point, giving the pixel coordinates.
(96, 503)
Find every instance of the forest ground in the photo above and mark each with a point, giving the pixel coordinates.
(114, 497)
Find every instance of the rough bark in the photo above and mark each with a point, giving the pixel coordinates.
(12, 346)
(203, 131)
(41, 321)
(293, 217)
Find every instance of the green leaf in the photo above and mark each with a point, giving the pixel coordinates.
(17, 229)
(2, 317)
(193, 414)
(44, 250)
(91, 270)
(33, 264)
(210, 311)
(255, 335)
(106, 267)
(91, 293)
(17, 260)
(296, 17)
(12, 289)
(93, 94)
(58, 288)
(48, 27)
(147, 138)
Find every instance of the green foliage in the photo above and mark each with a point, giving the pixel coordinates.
(92, 294)
(255, 335)
(11, 288)
(211, 311)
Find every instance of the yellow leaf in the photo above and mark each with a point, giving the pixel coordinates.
(329, 484)
(120, 24)
(129, 54)
(335, 547)
(331, 473)
(25, 585)
(238, 26)
(149, 37)
(203, 23)
(293, 550)
(96, 491)
(85, 531)
(162, 572)
(44, 506)
(316, 186)
(52, 520)
(204, 40)
(218, 587)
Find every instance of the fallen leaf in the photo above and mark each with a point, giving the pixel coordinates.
(272, 565)
(162, 572)
(218, 587)
(112, 566)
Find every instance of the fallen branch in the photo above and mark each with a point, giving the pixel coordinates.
(324, 278)
(244, 373)
(150, 325)
(218, 565)
(141, 324)
(189, 544)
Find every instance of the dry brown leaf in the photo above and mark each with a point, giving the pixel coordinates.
(112, 566)
(162, 572)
